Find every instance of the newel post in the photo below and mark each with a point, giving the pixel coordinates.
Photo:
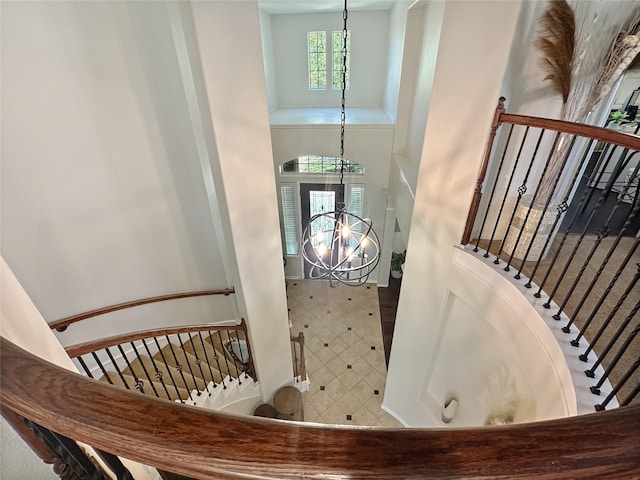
(477, 194)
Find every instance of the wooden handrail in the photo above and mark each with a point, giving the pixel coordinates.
(62, 324)
(204, 444)
(624, 140)
(94, 345)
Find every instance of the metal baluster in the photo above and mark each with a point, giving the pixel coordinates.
(164, 360)
(631, 396)
(226, 360)
(623, 380)
(104, 372)
(113, 362)
(546, 205)
(186, 359)
(561, 207)
(493, 189)
(158, 374)
(139, 383)
(533, 201)
(605, 294)
(204, 349)
(522, 189)
(613, 312)
(623, 348)
(84, 366)
(216, 356)
(144, 369)
(199, 364)
(601, 234)
(583, 202)
(506, 194)
(179, 367)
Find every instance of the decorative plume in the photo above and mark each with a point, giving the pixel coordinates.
(556, 42)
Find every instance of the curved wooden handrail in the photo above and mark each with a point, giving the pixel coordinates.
(62, 324)
(205, 444)
(94, 345)
(625, 140)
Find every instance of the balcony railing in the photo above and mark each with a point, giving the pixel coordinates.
(560, 211)
(204, 444)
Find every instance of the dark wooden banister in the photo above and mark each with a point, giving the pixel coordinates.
(94, 345)
(624, 140)
(205, 444)
(62, 324)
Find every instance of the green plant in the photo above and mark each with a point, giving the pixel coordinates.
(618, 117)
(397, 259)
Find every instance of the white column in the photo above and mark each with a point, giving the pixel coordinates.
(229, 43)
(464, 55)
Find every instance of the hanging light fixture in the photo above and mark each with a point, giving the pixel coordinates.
(339, 245)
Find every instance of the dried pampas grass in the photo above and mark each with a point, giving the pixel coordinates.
(556, 41)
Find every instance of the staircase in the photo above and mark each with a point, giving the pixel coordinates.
(201, 366)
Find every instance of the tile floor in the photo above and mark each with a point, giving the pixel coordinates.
(343, 351)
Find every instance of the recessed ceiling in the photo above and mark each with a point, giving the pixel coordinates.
(314, 6)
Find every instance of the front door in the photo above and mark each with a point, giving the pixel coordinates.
(318, 198)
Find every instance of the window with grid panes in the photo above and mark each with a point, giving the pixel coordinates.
(337, 59)
(317, 58)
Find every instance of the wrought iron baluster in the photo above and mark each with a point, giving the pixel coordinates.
(179, 367)
(506, 194)
(583, 202)
(561, 208)
(199, 364)
(533, 202)
(621, 383)
(224, 355)
(612, 314)
(186, 359)
(631, 396)
(522, 189)
(84, 367)
(546, 204)
(144, 369)
(602, 232)
(493, 189)
(216, 357)
(623, 348)
(115, 465)
(139, 383)
(164, 361)
(567, 328)
(115, 365)
(206, 356)
(159, 375)
(104, 372)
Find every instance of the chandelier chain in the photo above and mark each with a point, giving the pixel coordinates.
(343, 116)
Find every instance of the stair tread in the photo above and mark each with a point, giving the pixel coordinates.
(117, 380)
(168, 371)
(189, 364)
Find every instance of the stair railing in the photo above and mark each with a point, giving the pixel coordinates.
(204, 444)
(299, 364)
(176, 363)
(62, 324)
(563, 213)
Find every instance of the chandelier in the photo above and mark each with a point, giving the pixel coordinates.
(340, 246)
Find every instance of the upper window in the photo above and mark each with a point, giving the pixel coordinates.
(337, 59)
(317, 55)
(320, 164)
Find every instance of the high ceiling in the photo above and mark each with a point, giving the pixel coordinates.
(311, 6)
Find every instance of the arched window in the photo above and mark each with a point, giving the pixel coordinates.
(320, 164)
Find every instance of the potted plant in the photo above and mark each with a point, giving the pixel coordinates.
(397, 260)
(616, 118)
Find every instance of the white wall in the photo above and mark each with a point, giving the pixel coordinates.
(103, 197)
(369, 44)
(397, 26)
(462, 69)
(268, 60)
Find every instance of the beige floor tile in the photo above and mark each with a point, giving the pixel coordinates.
(313, 344)
(336, 366)
(363, 417)
(362, 390)
(325, 355)
(337, 346)
(323, 376)
(349, 378)
(390, 422)
(349, 403)
(336, 389)
(321, 401)
(335, 415)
